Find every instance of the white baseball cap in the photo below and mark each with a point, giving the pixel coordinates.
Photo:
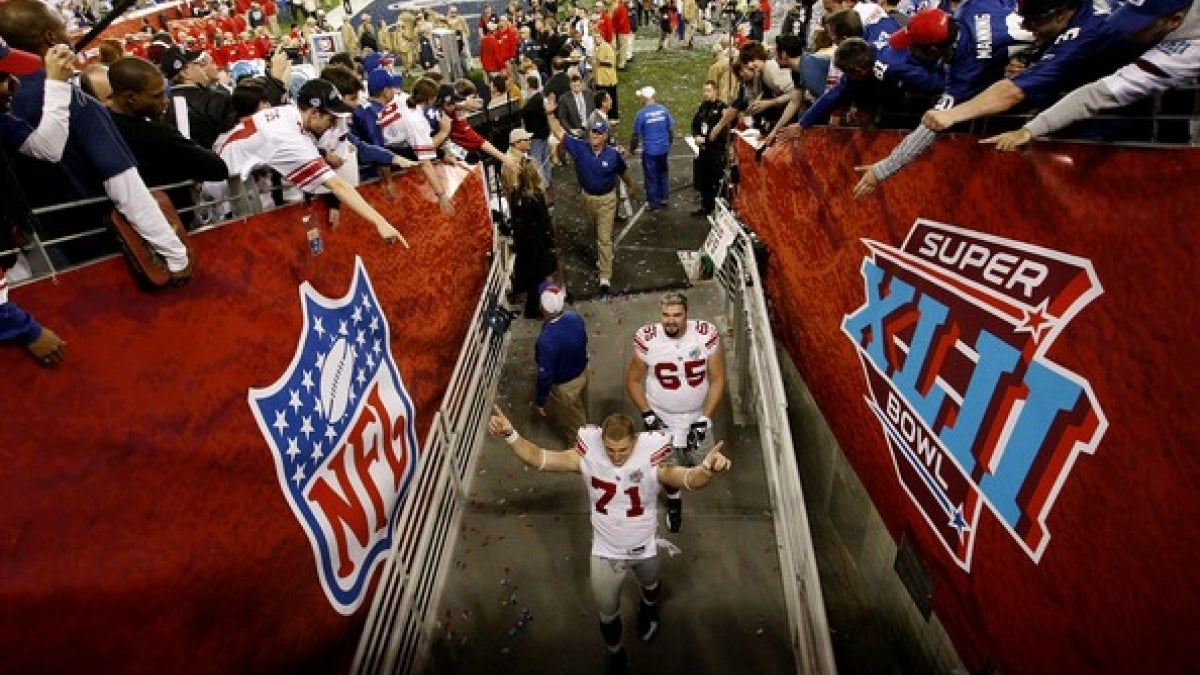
(645, 92)
(553, 298)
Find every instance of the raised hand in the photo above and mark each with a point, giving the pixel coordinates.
(498, 423)
(716, 461)
(58, 61)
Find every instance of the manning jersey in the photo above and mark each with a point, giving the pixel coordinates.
(624, 499)
(274, 137)
(677, 377)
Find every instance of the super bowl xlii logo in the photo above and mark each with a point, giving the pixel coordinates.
(953, 340)
(339, 425)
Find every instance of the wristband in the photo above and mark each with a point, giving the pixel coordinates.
(512, 437)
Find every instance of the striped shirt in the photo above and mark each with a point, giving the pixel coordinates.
(274, 138)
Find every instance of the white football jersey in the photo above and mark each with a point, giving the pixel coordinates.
(402, 125)
(677, 375)
(274, 138)
(624, 499)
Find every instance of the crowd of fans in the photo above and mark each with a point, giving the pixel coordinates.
(231, 94)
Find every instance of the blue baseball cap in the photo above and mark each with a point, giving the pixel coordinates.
(380, 79)
(599, 126)
(1135, 15)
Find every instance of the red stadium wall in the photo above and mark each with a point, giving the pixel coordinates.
(1093, 568)
(143, 525)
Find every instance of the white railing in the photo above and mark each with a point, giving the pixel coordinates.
(760, 395)
(396, 638)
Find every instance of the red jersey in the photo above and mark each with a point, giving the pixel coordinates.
(605, 26)
(620, 20)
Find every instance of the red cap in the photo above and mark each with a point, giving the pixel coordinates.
(926, 27)
(18, 62)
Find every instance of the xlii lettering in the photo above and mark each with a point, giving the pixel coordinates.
(1011, 411)
(347, 492)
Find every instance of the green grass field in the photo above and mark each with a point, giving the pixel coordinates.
(678, 77)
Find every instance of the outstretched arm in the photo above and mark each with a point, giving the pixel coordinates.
(695, 477)
(349, 196)
(998, 98)
(556, 127)
(562, 461)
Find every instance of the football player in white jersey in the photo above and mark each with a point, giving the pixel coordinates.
(284, 138)
(676, 378)
(622, 472)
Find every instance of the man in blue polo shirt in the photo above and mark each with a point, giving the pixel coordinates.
(598, 165)
(655, 127)
(561, 355)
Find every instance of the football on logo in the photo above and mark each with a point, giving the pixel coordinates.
(335, 379)
(339, 425)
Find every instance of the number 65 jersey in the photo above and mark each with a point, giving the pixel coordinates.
(623, 499)
(677, 368)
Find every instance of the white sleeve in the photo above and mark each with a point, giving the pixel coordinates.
(50, 137)
(128, 192)
(1167, 65)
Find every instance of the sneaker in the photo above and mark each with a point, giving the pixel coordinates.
(618, 662)
(674, 514)
(647, 621)
(605, 288)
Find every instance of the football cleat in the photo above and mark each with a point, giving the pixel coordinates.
(647, 621)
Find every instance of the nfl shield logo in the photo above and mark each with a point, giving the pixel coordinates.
(339, 424)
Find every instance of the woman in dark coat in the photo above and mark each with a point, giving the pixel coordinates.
(533, 238)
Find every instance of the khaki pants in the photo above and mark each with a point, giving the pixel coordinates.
(567, 405)
(602, 210)
(624, 48)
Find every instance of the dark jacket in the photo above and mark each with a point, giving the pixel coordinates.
(210, 112)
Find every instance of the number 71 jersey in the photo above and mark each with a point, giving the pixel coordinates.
(677, 368)
(623, 499)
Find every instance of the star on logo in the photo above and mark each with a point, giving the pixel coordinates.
(306, 381)
(318, 328)
(294, 402)
(958, 522)
(357, 315)
(306, 427)
(280, 421)
(293, 449)
(1037, 322)
(299, 475)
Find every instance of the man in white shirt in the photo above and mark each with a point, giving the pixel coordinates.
(676, 378)
(285, 139)
(622, 472)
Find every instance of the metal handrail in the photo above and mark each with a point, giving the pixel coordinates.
(398, 631)
(762, 397)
